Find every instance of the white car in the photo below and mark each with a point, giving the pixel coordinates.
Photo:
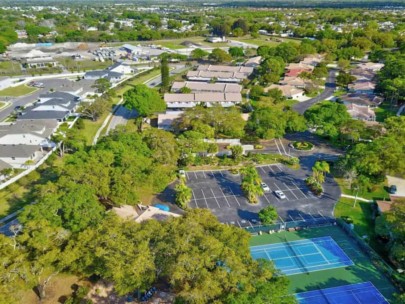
(280, 194)
(265, 187)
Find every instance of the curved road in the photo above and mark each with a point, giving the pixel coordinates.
(330, 87)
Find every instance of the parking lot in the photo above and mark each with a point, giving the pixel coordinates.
(220, 192)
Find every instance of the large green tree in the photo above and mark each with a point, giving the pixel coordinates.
(145, 101)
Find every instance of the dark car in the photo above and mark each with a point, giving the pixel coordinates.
(393, 189)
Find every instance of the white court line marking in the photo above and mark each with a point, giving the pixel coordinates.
(205, 198)
(291, 190)
(215, 198)
(321, 253)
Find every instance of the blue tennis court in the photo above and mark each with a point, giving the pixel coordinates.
(362, 293)
(303, 256)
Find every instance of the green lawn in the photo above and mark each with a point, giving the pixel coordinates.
(17, 91)
(384, 111)
(362, 271)
(83, 65)
(9, 68)
(378, 191)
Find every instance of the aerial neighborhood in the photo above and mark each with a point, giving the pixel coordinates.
(198, 152)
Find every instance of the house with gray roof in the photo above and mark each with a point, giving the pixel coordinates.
(28, 132)
(17, 156)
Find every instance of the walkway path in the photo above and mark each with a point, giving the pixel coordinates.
(401, 109)
(358, 198)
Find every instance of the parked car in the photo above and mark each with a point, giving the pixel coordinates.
(280, 194)
(265, 187)
(392, 189)
(182, 173)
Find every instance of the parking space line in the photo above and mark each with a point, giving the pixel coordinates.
(234, 195)
(321, 215)
(264, 171)
(267, 199)
(275, 140)
(301, 217)
(229, 205)
(291, 218)
(215, 198)
(205, 198)
(299, 189)
(271, 169)
(195, 174)
(290, 190)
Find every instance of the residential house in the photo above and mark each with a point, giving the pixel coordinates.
(294, 81)
(28, 132)
(362, 75)
(17, 156)
(362, 87)
(371, 66)
(98, 74)
(56, 106)
(313, 60)
(180, 101)
(121, 68)
(364, 100)
(360, 112)
(166, 120)
(200, 87)
(288, 91)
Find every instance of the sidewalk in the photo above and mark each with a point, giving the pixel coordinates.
(358, 198)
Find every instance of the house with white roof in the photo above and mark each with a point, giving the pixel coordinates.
(200, 87)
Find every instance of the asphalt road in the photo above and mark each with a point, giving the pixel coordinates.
(158, 80)
(56, 84)
(330, 87)
(122, 115)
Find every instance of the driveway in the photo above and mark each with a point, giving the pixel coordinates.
(158, 79)
(330, 87)
(121, 117)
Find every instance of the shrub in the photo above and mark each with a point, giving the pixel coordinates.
(258, 147)
(303, 145)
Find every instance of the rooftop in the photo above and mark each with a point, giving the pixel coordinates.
(19, 151)
(196, 86)
(203, 97)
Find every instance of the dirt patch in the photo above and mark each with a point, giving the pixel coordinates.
(58, 289)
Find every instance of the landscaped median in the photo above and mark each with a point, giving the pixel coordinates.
(16, 91)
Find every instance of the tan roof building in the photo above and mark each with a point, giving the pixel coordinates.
(200, 87)
(288, 91)
(360, 112)
(365, 100)
(294, 81)
(384, 206)
(166, 120)
(209, 99)
(300, 66)
(225, 68)
(371, 66)
(361, 74)
(313, 60)
(362, 86)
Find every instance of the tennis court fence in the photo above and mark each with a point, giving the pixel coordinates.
(281, 226)
(375, 258)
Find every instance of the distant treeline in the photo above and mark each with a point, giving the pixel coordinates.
(317, 4)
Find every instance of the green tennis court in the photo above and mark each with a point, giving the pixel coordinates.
(362, 270)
